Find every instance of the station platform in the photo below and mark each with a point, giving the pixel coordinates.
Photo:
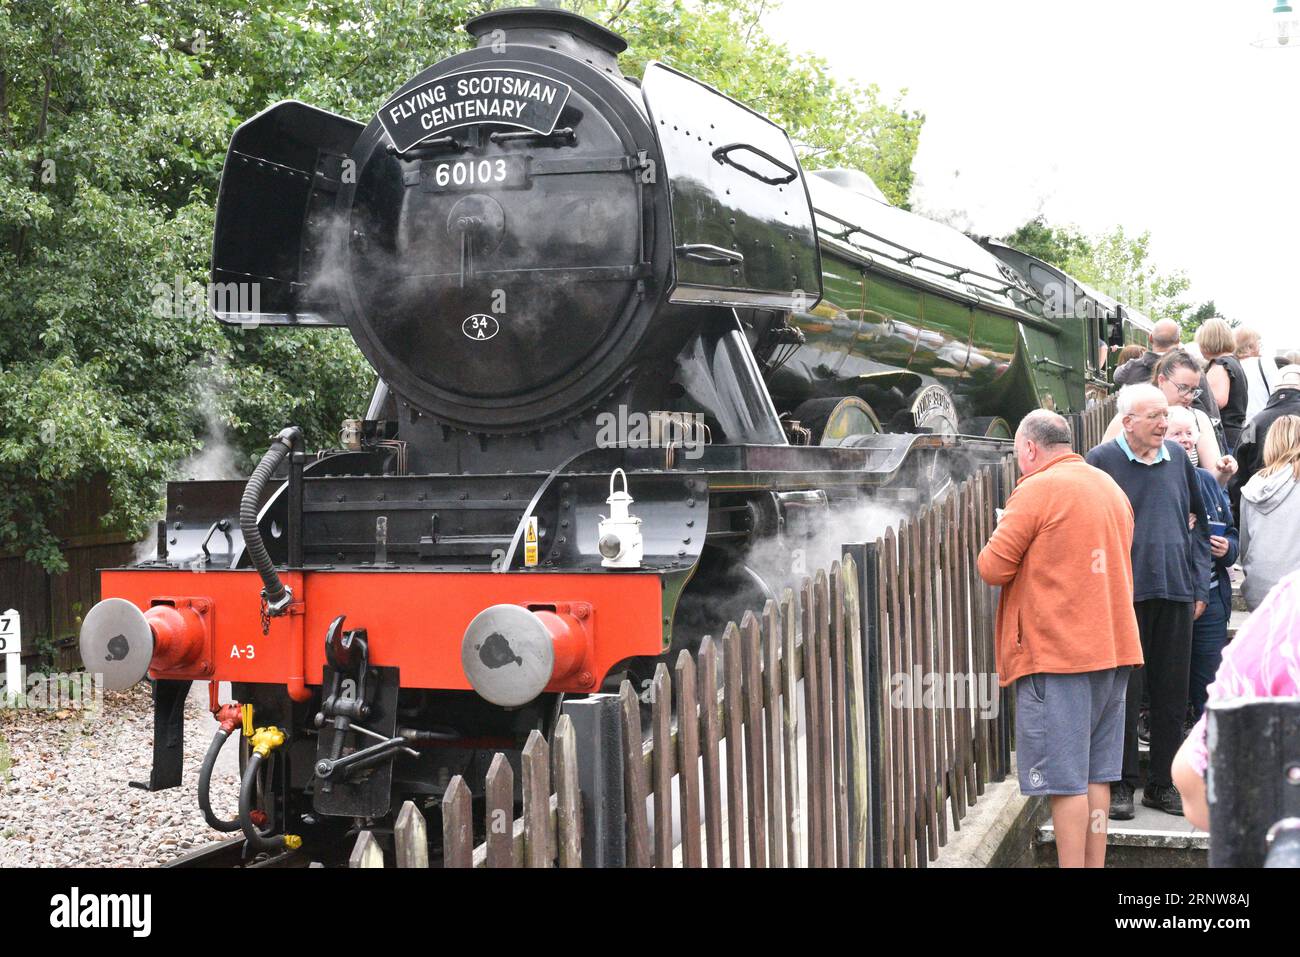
(1152, 838)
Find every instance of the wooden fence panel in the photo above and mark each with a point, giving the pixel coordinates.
(900, 766)
(712, 737)
(812, 797)
(956, 633)
(635, 788)
(737, 739)
(538, 838)
(568, 800)
(790, 731)
(834, 604)
(911, 722)
(776, 844)
(858, 744)
(943, 663)
(366, 852)
(826, 731)
(925, 601)
(688, 760)
(663, 766)
(968, 652)
(976, 585)
(458, 824)
(410, 837)
(986, 617)
(891, 756)
(757, 780)
(500, 789)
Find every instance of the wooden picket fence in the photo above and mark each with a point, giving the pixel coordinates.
(934, 617)
(793, 750)
(549, 828)
(1090, 425)
(785, 806)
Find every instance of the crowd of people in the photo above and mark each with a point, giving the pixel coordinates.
(1193, 483)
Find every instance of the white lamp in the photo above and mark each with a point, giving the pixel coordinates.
(1282, 31)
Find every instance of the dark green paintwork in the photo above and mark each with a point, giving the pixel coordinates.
(875, 327)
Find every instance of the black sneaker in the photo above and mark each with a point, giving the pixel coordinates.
(1163, 797)
(1121, 802)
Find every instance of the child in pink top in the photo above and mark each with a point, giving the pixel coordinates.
(1263, 661)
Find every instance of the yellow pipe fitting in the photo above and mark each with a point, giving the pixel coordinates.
(266, 740)
(247, 715)
(292, 842)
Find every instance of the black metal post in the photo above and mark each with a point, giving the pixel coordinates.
(293, 532)
(168, 736)
(865, 557)
(1254, 776)
(599, 744)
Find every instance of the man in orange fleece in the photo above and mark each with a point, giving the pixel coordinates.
(1067, 632)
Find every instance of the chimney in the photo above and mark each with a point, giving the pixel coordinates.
(558, 30)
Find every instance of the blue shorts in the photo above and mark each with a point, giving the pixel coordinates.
(1070, 730)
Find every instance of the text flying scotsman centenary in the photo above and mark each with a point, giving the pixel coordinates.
(510, 97)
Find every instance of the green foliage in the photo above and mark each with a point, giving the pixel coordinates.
(1112, 262)
(113, 124)
(114, 120)
(1193, 320)
(721, 42)
(1054, 244)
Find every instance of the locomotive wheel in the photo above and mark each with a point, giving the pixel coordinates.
(987, 426)
(835, 421)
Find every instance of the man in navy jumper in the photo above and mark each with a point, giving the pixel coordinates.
(1171, 576)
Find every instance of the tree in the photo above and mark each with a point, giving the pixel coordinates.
(722, 43)
(1193, 320)
(1054, 244)
(114, 122)
(1112, 262)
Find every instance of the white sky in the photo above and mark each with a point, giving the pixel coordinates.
(1150, 114)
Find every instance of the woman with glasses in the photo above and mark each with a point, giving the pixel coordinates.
(1179, 378)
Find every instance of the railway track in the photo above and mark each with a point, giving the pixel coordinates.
(230, 854)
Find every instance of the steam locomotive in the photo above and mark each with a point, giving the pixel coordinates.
(626, 347)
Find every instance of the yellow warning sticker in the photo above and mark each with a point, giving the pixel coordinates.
(530, 543)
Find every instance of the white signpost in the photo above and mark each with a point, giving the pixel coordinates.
(11, 646)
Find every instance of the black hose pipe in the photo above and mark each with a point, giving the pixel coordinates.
(257, 839)
(205, 784)
(274, 591)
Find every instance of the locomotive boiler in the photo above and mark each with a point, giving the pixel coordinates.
(627, 352)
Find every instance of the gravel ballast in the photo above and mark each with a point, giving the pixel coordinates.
(65, 800)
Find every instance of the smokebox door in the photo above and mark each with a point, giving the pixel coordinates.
(742, 222)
